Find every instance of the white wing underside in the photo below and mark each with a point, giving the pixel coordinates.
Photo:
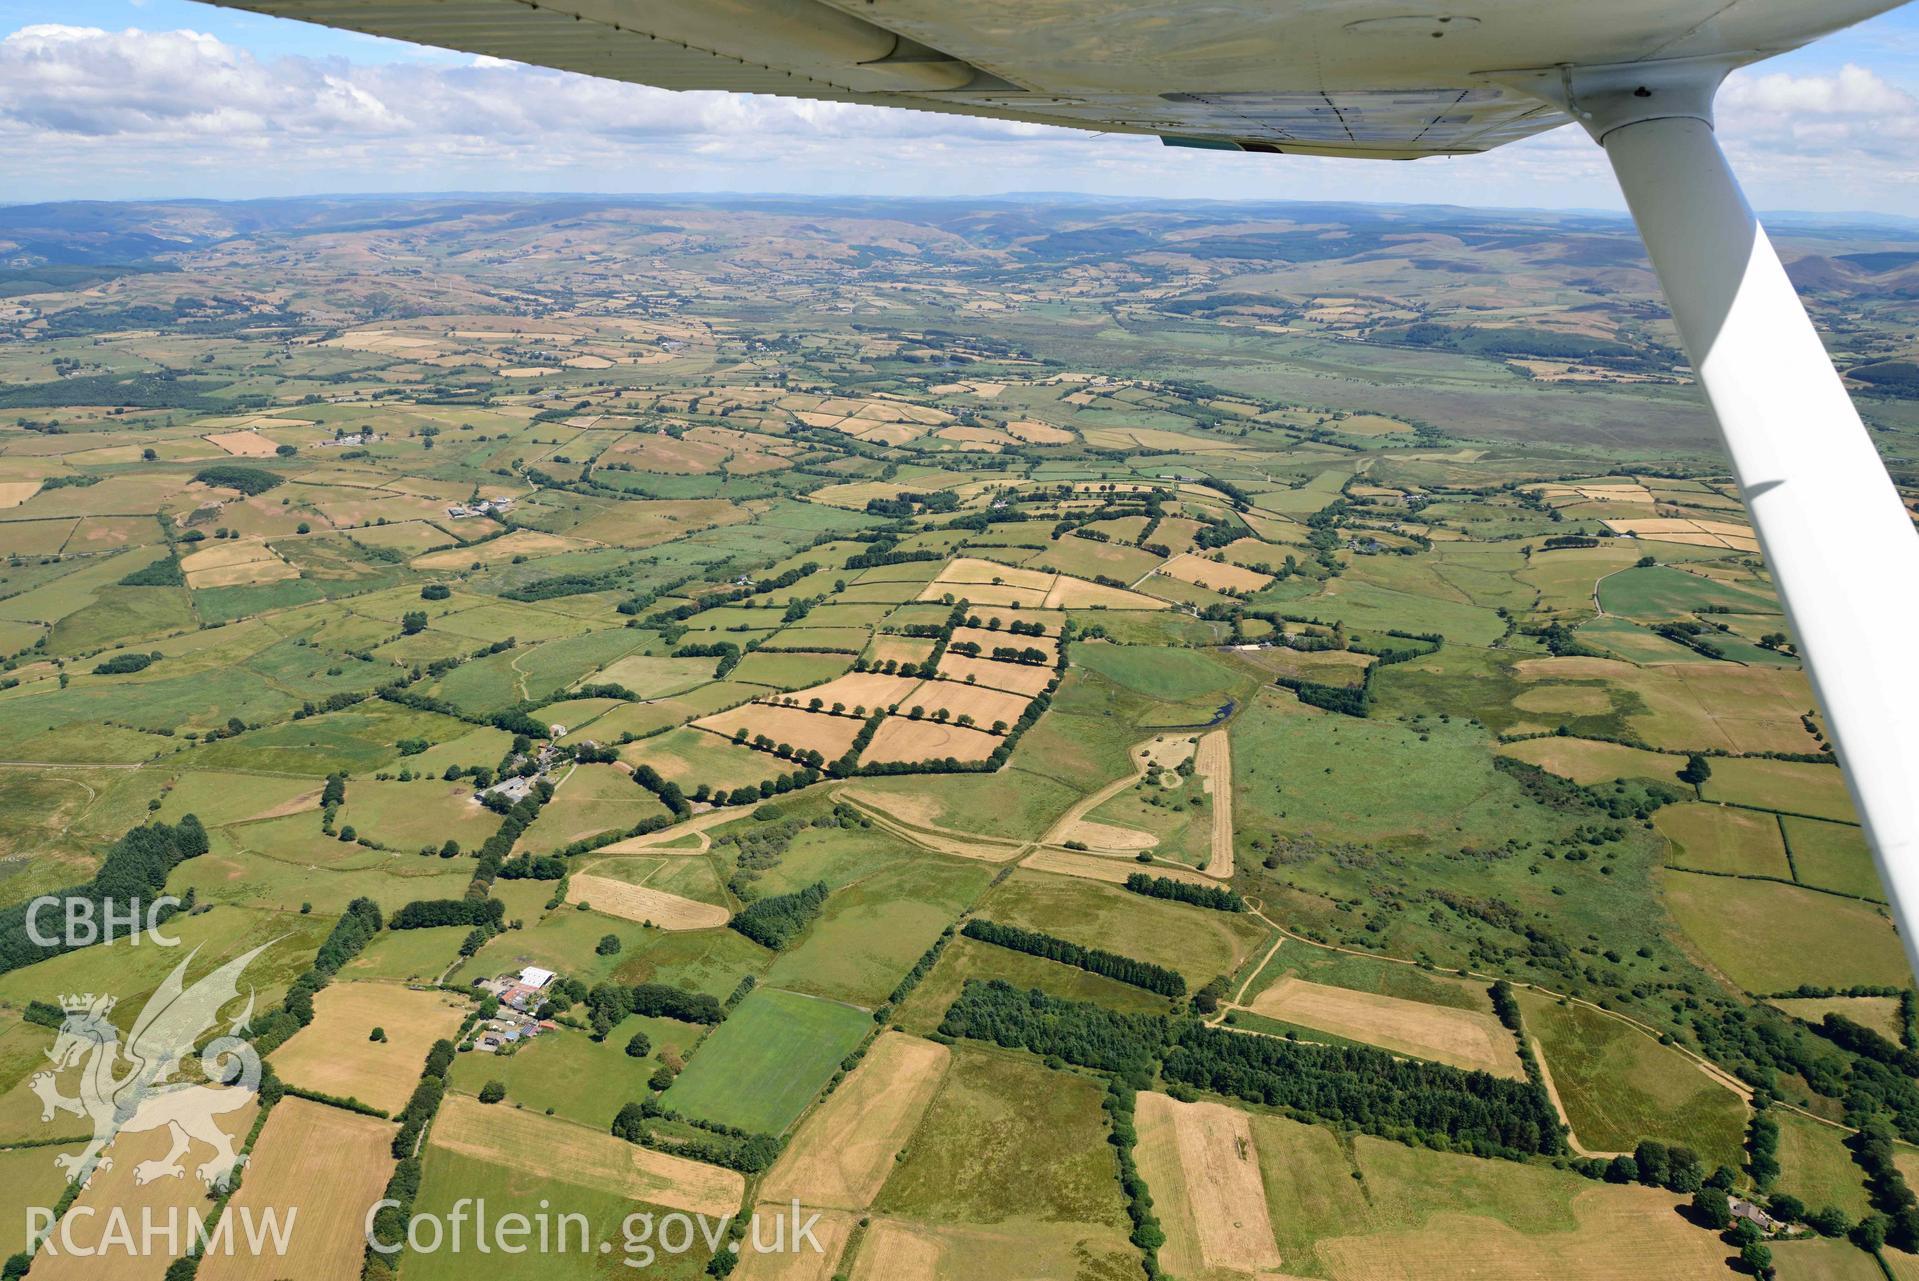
(1374, 78)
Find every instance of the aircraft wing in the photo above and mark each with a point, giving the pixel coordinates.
(1373, 78)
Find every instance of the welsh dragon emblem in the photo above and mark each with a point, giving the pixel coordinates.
(130, 1087)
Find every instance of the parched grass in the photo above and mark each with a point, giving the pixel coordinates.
(1381, 1211)
(1717, 838)
(1833, 856)
(408, 955)
(424, 812)
(1006, 1141)
(1816, 1166)
(872, 932)
(1767, 937)
(1619, 1086)
(1817, 1259)
(1587, 762)
(1792, 786)
(760, 1068)
(319, 1167)
(847, 1147)
(335, 1055)
(1880, 1013)
(569, 1168)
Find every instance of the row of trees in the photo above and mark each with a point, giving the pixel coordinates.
(1142, 974)
(425, 914)
(1217, 897)
(1371, 1090)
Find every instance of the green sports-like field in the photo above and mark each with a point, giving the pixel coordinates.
(760, 1068)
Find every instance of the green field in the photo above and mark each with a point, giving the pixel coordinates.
(872, 932)
(1771, 938)
(1659, 592)
(760, 1068)
(448, 1177)
(569, 1075)
(1816, 1166)
(1197, 942)
(1833, 856)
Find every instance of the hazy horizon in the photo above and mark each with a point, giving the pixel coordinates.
(152, 99)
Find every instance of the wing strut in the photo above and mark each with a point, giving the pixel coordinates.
(1840, 543)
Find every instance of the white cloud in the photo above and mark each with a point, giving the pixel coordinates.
(87, 111)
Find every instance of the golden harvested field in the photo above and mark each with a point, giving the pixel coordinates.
(1214, 764)
(547, 1147)
(659, 520)
(1110, 836)
(1038, 433)
(1468, 1039)
(1220, 577)
(115, 1194)
(662, 453)
(870, 690)
(1203, 1166)
(327, 1163)
(786, 1260)
(224, 553)
(1114, 871)
(897, 1252)
(1696, 533)
(989, 640)
(332, 1054)
(899, 649)
(1880, 1013)
(234, 564)
(795, 726)
(1018, 678)
(1586, 761)
(1078, 593)
(521, 542)
(968, 570)
(986, 595)
(843, 1151)
(639, 903)
(243, 444)
(15, 492)
(984, 705)
(900, 739)
(1622, 1234)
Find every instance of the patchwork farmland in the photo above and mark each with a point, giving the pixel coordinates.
(719, 704)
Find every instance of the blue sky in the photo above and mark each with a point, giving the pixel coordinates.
(115, 99)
